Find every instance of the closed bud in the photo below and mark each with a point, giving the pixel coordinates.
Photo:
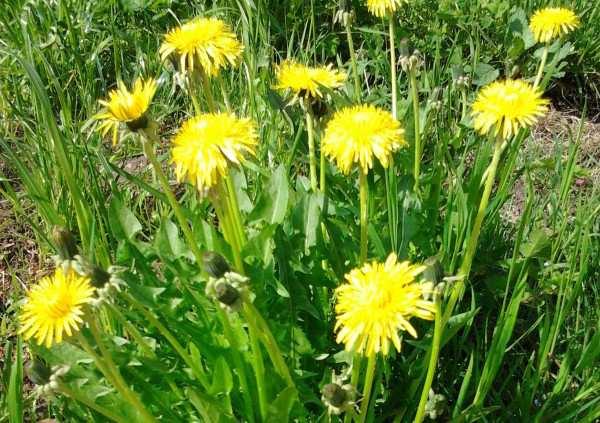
(99, 277)
(405, 47)
(65, 243)
(38, 372)
(140, 123)
(226, 293)
(334, 394)
(215, 264)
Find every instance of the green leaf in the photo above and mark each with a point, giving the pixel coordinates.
(483, 74)
(539, 240)
(273, 203)
(279, 410)
(222, 382)
(15, 387)
(123, 222)
(167, 240)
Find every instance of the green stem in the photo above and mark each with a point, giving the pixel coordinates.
(222, 204)
(356, 368)
(322, 169)
(540, 73)
(235, 210)
(258, 364)
(224, 93)
(117, 379)
(76, 396)
(269, 342)
(465, 267)
(148, 141)
(152, 320)
(415, 100)
(210, 100)
(437, 337)
(133, 331)
(393, 67)
(357, 92)
(239, 364)
(311, 146)
(368, 387)
(194, 93)
(364, 194)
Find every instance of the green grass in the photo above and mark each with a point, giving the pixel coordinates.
(523, 341)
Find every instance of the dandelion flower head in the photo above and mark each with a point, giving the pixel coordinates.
(206, 144)
(359, 133)
(505, 107)
(55, 306)
(377, 302)
(207, 44)
(124, 106)
(306, 81)
(552, 22)
(380, 8)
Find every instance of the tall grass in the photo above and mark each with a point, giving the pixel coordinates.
(522, 343)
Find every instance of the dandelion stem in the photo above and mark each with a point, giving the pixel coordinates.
(224, 93)
(225, 212)
(368, 387)
(465, 267)
(270, 343)
(148, 141)
(356, 367)
(393, 67)
(540, 73)
(76, 396)
(117, 380)
(257, 364)
(239, 364)
(210, 100)
(364, 194)
(415, 101)
(357, 92)
(310, 129)
(436, 342)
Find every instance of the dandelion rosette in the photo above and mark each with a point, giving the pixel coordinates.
(377, 303)
(207, 44)
(55, 305)
(128, 107)
(357, 134)
(552, 22)
(206, 144)
(380, 8)
(505, 107)
(305, 81)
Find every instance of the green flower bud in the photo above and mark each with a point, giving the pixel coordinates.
(65, 243)
(215, 264)
(226, 293)
(334, 394)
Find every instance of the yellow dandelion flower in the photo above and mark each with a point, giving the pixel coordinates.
(380, 8)
(207, 143)
(505, 107)
(124, 106)
(356, 134)
(377, 302)
(552, 22)
(203, 43)
(305, 81)
(55, 306)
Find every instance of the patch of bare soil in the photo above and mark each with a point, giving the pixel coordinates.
(553, 134)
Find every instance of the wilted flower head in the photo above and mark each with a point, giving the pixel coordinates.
(552, 22)
(307, 82)
(207, 44)
(377, 302)
(55, 305)
(206, 144)
(124, 106)
(357, 134)
(504, 107)
(380, 8)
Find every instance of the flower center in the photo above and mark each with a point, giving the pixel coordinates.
(59, 305)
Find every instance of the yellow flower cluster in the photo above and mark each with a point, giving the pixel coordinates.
(381, 8)
(207, 44)
(305, 81)
(377, 302)
(55, 306)
(552, 22)
(357, 134)
(206, 144)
